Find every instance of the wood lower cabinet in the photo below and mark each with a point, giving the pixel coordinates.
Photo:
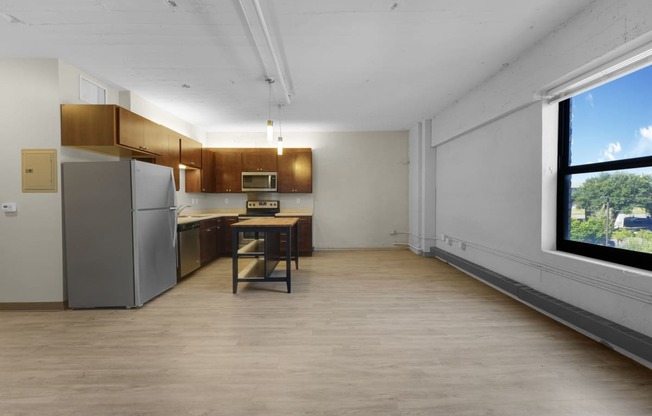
(259, 160)
(295, 171)
(304, 228)
(226, 235)
(209, 233)
(228, 170)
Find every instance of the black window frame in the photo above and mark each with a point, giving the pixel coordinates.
(564, 171)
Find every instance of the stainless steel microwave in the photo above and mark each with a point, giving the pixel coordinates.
(259, 181)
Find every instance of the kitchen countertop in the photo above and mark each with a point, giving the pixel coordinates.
(199, 216)
(204, 215)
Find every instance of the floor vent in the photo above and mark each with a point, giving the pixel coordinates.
(605, 331)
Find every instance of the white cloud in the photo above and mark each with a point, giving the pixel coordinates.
(612, 150)
(646, 132)
(644, 145)
(589, 99)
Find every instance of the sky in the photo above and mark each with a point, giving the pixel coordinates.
(613, 121)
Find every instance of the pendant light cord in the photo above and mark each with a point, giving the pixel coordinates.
(270, 81)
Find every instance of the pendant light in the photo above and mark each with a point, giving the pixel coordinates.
(279, 144)
(270, 123)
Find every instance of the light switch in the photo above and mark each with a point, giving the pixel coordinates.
(39, 170)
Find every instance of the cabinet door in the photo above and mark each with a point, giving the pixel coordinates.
(131, 129)
(154, 137)
(228, 171)
(305, 236)
(227, 234)
(295, 171)
(207, 170)
(190, 152)
(262, 160)
(304, 230)
(207, 241)
(88, 125)
(170, 154)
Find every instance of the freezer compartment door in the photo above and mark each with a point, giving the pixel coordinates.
(153, 186)
(156, 264)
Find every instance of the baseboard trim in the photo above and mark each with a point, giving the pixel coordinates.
(33, 306)
(628, 342)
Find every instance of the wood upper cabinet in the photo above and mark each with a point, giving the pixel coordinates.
(295, 171)
(170, 155)
(259, 160)
(155, 137)
(110, 129)
(228, 170)
(207, 170)
(202, 180)
(190, 152)
(86, 125)
(139, 133)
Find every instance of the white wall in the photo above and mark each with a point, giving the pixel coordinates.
(360, 185)
(494, 177)
(30, 247)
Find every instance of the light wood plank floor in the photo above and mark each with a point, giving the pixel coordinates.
(363, 333)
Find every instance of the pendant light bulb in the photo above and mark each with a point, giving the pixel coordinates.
(279, 150)
(270, 131)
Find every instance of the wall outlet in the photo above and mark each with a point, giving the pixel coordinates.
(298, 200)
(462, 245)
(226, 201)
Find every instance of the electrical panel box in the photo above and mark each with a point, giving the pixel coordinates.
(39, 170)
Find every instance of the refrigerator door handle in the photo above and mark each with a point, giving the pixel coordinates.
(173, 225)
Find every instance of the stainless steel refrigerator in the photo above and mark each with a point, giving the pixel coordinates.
(120, 232)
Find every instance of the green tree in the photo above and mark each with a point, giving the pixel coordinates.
(590, 230)
(625, 191)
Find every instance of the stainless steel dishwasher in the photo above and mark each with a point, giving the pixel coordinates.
(188, 248)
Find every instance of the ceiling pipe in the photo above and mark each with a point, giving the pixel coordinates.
(273, 68)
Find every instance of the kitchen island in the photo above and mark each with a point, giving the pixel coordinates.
(265, 250)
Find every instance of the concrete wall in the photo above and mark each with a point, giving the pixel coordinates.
(495, 168)
(360, 185)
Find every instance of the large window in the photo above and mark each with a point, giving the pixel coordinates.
(605, 171)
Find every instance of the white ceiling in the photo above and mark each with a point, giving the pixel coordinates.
(351, 64)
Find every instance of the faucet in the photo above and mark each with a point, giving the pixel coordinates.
(181, 208)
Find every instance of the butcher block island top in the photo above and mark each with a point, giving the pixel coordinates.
(264, 250)
(267, 222)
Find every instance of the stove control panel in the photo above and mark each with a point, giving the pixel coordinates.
(262, 204)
